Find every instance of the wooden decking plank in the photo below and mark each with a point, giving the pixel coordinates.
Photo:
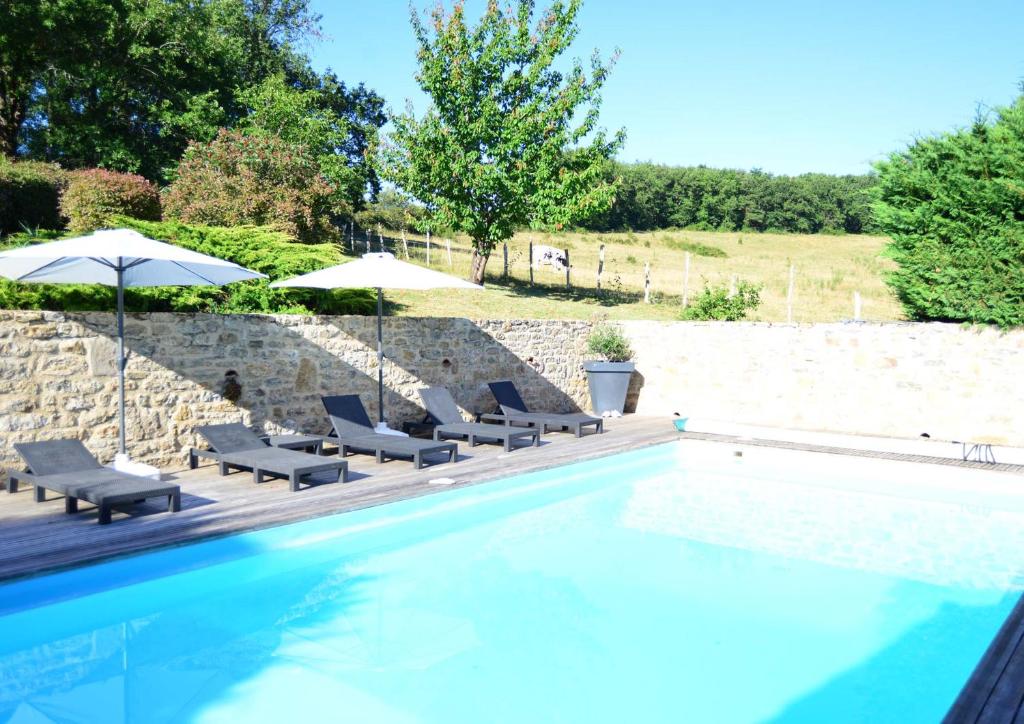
(987, 680)
(40, 537)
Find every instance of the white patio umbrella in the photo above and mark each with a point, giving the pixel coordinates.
(118, 258)
(380, 271)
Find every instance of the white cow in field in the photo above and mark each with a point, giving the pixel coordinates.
(550, 256)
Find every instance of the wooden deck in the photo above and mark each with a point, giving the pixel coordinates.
(38, 537)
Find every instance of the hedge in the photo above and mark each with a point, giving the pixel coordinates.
(30, 195)
(95, 196)
(262, 249)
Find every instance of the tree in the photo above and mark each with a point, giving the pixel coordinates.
(127, 84)
(260, 180)
(336, 125)
(954, 207)
(498, 148)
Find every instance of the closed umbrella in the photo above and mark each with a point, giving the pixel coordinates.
(378, 271)
(118, 258)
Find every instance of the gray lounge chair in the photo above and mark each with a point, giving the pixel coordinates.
(353, 432)
(443, 411)
(515, 412)
(68, 468)
(235, 446)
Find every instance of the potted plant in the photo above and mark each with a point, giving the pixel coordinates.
(608, 377)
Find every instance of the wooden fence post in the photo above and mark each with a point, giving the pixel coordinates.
(428, 247)
(367, 241)
(600, 267)
(568, 283)
(647, 282)
(789, 294)
(531, 261)
(405, 245)
(352, 236)
(380, 238)
(686, 280)
(504, 254)
(448, 248)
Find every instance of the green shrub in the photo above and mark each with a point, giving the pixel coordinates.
(30, 196)
(695, 247)
(608, 341)
(95, 196)
(262, 249)
(714, 303)
(954, 207)
(261, 180)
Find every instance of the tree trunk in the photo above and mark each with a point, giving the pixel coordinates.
(12, 115)
(476, 274)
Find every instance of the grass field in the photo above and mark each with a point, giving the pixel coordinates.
(828, 271)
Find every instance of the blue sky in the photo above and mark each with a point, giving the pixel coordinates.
(789, 87)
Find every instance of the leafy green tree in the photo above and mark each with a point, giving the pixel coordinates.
(498, 148)
(324, 120)
(126, 85)
(954, 207)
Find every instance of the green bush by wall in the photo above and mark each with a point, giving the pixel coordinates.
(30, 195)
(262, 249)
(95, 196)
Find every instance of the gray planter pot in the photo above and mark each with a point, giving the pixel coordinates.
(608, 382)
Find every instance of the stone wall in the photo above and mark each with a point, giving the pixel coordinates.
(57, 374)
(897, 379)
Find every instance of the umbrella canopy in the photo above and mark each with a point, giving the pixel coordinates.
(115, 256)
(380, 271)
(118, 258)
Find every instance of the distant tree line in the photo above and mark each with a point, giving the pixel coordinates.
(652, 196)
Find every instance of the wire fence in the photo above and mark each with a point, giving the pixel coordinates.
(619, 276)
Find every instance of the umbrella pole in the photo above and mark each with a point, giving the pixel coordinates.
(380, 355)
(120, 354)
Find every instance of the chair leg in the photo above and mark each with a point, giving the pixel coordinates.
(104, 515)
(40, 493)
(193, 460)
(508, 444)
(453, 454)
(536, 439)
(578, 430)
(70, 504)
(417, 460)
(257, 476)
(293, 482)
(380, 456)
(343, 475)
(222, 468)
(174, 502)
(471, 440)
(12, 485)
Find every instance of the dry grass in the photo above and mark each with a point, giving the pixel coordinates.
(829, 270)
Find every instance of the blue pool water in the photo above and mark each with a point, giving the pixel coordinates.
(575, 595)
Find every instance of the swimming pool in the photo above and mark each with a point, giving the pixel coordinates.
(663, 585)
